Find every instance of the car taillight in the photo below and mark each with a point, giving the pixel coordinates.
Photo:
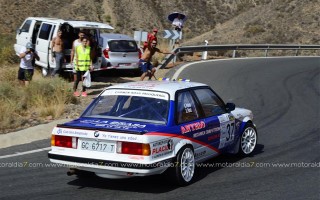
(140, 53)
(64, 141)
(133, 148)
(106, 53)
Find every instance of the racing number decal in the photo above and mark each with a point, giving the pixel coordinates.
(227, 127)
(230, 131)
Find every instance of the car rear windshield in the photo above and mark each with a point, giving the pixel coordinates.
(122, 46)
(135, 105)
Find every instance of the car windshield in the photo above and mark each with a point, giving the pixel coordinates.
(134, 105)
(122, 46)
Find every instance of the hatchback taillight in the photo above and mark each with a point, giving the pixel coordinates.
(106, 53)
(64, 141)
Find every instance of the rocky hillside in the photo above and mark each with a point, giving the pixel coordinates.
(219, 21)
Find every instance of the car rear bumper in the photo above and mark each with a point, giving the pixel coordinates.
(109, 169)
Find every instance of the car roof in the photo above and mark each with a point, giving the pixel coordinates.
(115, 36)
(75, 23)
(163, 86)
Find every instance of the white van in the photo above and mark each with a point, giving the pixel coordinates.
(40, 31)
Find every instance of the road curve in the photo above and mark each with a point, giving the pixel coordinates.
(284, 95)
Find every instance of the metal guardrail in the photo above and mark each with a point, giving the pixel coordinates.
(266, 47)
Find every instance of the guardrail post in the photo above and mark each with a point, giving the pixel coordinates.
(297, 52)
(266, 53)
(205, 53)
(234, 54)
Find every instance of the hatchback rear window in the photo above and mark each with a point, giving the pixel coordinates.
(122, 46)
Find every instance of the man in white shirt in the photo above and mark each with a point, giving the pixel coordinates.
(178, 23)
(27, 54)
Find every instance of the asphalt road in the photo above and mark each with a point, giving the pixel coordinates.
(284, 95)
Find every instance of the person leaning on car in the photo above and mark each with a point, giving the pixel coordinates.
(83, 64)
(27, 55)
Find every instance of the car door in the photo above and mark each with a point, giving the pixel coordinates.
(43, 43)
(220, 124)
(24, 34)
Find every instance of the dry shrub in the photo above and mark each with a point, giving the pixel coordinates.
(8, 73)
(43, 97)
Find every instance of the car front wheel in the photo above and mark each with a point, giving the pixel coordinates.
(184, 166)
(248, 140)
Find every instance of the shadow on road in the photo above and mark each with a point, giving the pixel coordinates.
(157, 183)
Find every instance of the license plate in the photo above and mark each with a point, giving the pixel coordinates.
(124, 64)
(92, 145)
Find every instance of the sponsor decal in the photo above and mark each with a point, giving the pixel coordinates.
(134, 157)
(59, 131)
(206, 132)
(72, 132)
(96, 134)
(118, 137)
(231, 117)
(113, 124)
(200, 154)
(192, 127)
(187, 107)
(213, 137)
(161, 148)
(152, 94)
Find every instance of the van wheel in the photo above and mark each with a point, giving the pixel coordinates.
(184, 166)
(44, 71)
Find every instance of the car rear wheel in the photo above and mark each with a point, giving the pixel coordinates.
(184, 166)
(248, 140)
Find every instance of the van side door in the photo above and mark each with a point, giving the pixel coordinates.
(24, 34)
(43, 43)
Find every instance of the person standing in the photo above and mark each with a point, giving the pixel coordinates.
(76, 43)
(83, 64)
(57, 54)
(145, 61)
(151, 37)
(178, 23)
(26, 69)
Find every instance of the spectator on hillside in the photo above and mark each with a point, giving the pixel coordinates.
(177, 23)
(26, 69)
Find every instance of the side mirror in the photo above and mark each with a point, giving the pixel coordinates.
(230, 107)
(18, 31)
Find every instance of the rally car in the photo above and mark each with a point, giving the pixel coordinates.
(145, 128)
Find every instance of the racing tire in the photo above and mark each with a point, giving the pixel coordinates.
(184, 166)
(248, 140)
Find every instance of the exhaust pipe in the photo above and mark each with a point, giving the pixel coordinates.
(71, 172)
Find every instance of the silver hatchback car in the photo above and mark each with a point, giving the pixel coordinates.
(119, 52)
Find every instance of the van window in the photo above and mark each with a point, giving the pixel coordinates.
(26, 26)
(45, 31)
(122, 46)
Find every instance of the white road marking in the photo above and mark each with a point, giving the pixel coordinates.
(24, 153)
(177, 73)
